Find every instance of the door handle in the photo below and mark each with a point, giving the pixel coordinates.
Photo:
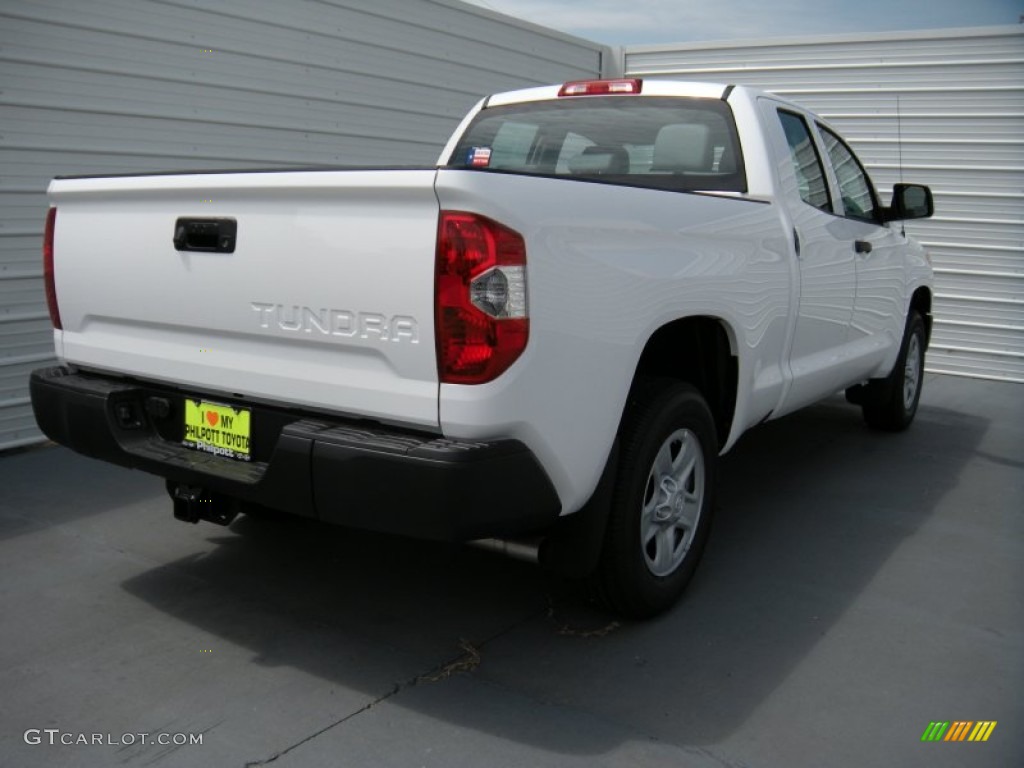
(862, 246)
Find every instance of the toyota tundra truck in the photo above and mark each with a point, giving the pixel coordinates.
(552, 334)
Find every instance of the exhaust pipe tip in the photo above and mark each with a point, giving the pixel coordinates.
(527, 550)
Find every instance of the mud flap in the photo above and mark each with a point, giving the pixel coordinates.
(573, 547)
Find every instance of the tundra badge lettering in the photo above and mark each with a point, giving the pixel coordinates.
(337, 322)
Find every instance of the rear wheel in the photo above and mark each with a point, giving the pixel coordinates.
(662, 503)
(890, 404)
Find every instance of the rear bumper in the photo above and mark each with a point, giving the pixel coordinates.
(358, 474)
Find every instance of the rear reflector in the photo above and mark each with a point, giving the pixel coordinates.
(600, 87)
(48, 280)
(482, 323)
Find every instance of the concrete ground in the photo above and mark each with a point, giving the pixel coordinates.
(857, 587)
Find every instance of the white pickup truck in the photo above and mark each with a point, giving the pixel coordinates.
(555, 332)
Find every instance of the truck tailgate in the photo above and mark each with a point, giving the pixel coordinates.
(325, 302)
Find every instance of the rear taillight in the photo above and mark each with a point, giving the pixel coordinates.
(482, 322)
(600, 87)
(51, 287)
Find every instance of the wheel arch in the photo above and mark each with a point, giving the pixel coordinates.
(700, 350)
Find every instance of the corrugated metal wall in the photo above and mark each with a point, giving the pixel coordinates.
(118, 86)
(960, 94)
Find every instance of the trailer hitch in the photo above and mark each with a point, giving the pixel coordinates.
(192, 504)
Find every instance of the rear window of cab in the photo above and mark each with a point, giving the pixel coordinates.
(671, 143)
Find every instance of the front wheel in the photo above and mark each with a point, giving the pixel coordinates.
(891, 403)
(662, 503)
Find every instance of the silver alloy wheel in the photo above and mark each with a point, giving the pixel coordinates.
(673, 498)
(911, 372)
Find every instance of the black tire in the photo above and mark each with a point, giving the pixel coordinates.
(890, 404)
(657, 529)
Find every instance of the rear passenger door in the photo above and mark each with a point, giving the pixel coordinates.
(823, 255)
(879, 305)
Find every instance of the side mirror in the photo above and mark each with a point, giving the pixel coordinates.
(910, 201)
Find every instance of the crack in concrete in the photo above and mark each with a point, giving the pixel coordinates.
(467, 661)
(398, 687)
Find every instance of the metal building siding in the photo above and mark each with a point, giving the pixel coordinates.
(121, 86)
(960, 96)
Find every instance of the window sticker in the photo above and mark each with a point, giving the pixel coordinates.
(478, 157)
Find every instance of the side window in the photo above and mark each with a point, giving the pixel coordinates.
(810, 173)
(854, 186)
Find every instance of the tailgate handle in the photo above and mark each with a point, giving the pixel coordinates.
(211, 235)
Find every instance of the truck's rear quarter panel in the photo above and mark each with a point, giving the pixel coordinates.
(608, 265)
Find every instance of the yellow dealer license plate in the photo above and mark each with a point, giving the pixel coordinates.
(217, 429)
